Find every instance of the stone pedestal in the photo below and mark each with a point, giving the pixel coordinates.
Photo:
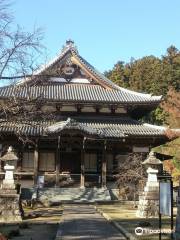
(9, 207)
(149, 200)
(177, 233)
(9, 199)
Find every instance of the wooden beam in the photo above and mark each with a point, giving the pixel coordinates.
(0, 164)
(1, 150)
(36, 163)
(104, 166)
(82, 183)
(20, 160)
(74, 60)
(57, 162)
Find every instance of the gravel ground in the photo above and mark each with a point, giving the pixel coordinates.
(33, 232)
(125, 215)
(38, 224)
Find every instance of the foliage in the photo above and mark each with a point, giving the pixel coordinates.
(119, 74)
(157, 116)
(171, 106)
(151, 75)
(171, 148)
(145, 73)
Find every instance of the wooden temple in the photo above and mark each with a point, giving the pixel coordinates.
(86, 126)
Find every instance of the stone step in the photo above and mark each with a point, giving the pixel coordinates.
(73, 194)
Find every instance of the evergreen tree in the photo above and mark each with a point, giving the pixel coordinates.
(150, 75)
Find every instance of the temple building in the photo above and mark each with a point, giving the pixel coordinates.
(86, 126)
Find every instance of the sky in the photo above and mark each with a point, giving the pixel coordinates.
(105, 31)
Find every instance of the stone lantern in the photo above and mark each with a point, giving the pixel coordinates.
(10, 159)
(9, 199)
(153, 162)
(149, 200)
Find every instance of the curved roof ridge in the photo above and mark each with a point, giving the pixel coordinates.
(58, 125)
(109, 82)
(95, 72)
(102, 80)
(68, 47)
(161, 128)
(71, 123)
(147, 95)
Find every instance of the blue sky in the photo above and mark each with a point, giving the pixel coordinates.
(105, 31)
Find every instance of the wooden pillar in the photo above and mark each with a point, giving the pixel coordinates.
(1, 148)
(82, 183)
(36, 163)
(58, 162)
(104, 167)
(20, 154)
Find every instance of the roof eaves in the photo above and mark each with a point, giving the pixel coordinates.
(98, 76)
(144, 95)
(160, 128)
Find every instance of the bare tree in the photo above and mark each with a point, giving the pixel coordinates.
(130, 177)
(19, 53)
(19, 49)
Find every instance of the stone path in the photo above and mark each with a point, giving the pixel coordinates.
(82, 222)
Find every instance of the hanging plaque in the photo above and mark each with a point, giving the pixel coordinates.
(165, 198)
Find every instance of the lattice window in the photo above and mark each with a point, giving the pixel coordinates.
(90, 162)
(46, 161)
(28, 161)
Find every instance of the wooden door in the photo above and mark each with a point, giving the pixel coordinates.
(70, 162)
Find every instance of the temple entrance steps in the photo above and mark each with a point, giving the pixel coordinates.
(73, 195)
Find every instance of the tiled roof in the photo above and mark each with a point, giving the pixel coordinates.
(106, 128)
(23, 128)
(121, 127)
(81, 92)
(72, 51)
(76, 93)
(71, 124)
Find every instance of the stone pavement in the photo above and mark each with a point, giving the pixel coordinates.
(82, 222)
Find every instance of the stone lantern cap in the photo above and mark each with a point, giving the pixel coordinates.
(9, 156)
(152, 160)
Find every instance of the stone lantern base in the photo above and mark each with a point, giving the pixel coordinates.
(9, 199)
(148, 205)
(9, 207)
(149, 200)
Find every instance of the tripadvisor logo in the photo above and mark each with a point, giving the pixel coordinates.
(139, 231)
